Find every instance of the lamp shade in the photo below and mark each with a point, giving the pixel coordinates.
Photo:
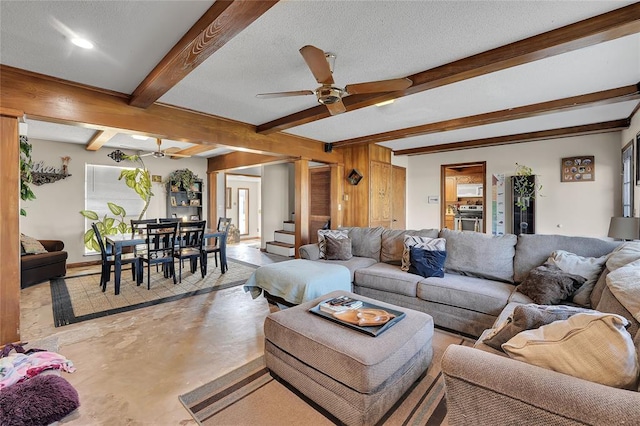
(624, 228)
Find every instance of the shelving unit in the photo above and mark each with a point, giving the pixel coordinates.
(184, 202)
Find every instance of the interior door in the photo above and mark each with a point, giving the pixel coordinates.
(319, 200)
(398, 204)
(243, 211)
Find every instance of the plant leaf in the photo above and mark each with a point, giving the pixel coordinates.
(88, 236)
(116, 209)
(89, 214)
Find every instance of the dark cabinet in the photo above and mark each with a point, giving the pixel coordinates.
(524, 207)
(185, 203)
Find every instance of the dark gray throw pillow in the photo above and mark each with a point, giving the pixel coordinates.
(549, 285)
(338, 248)
(427, 263)
(529, 317)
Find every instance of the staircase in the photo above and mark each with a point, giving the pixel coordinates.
(285, 240)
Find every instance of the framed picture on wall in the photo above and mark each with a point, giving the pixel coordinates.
(637, 165)
(174, 203)
(578, 169)
(227, 199)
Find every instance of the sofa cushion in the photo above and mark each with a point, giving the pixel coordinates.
(365, 242)
(31, 261)
(625, 253)
(353, 264)
(426, 243)
(549, 285)
(588, 267)
(322, 244)
(427, 263)
(594, 347)
(392, 246)
(31, 245)
(471, 293)
(596, 293)
(534, 249)
(386, 277)
(480, 255)
(338, 248)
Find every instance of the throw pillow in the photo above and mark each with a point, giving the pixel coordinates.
(425, 243)
(427, 263)
(594, 347)
(625, 253)
(31, 246)
(322, 233)
(588, 267)
(549, 285)
(40, 400)
(338, 248)
(529, 317)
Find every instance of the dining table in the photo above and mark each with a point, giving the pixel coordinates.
(118, 241)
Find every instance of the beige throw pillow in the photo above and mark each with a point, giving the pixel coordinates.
(426, 243)
(31, 245)
(322, 245)
(594, 347)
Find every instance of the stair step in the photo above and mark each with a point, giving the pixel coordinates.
(289, 226)
(282, 249)
(286, 237)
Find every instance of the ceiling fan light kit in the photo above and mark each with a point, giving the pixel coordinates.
(321, 66)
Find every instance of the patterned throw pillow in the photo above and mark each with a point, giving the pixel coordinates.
(31, 246)
(322, 245)
(338, 248)
(426, 243)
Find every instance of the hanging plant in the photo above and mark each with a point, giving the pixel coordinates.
(26, 163)
(524, 187)
(184, 178)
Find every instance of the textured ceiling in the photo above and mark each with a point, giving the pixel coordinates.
(373, 40)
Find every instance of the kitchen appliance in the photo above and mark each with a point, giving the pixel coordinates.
(469, 190)
(469, 218)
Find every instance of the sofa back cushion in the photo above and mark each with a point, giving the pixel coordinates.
(393, 243)
(480, 255)
(533, 250)
(365, 242)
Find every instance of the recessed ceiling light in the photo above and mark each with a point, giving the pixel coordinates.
(389, 102)
(140, 137)
(81, 42)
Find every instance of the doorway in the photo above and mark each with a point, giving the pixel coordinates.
(463, 196)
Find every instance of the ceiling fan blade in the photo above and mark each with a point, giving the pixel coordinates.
(173, 152)
(284, 94)
(336, 108)
(146, 155)
(317, 62)
(177, 155)
(379, 86)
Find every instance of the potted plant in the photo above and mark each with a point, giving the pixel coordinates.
(184, 178)
(525, 189)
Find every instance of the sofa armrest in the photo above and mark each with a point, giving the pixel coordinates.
(52, 245)
(487, 389)
(309, 251)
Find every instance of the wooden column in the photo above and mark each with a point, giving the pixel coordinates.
(212, 199)
(337, 193)
(302, 203)
(9, 227)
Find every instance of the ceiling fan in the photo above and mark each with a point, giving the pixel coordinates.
(161, 153)
(329, 95)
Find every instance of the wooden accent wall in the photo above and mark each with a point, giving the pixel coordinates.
(320, 200)
(9, 227)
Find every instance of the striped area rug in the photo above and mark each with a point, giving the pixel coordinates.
(249, 395)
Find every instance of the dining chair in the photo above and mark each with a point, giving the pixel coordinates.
(160, 240)
(108, 260)
(190, 238)
(218, 243)
(137, 227)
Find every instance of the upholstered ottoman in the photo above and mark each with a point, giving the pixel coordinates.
(299, 280)
(355, 377)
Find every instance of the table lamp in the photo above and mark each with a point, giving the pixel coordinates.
(624, 228)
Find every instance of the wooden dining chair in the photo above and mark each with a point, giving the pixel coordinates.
(190, 238)
(160, 240)
(216, 247)
(137, 227)
(108, 260)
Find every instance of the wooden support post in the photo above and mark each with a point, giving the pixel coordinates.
(212, 200)
(302, 203)
(337, 193)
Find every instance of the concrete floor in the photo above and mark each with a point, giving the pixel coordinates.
(131, 367)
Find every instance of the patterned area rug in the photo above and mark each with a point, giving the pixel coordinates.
(249, 395)
(80, 298)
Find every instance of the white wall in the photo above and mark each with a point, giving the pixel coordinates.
(275, 199)
(567, 208)
(54, 214)
(627, 136)
(253, 184)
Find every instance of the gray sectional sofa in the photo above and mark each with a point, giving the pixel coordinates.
(481, 271)
(483, 385)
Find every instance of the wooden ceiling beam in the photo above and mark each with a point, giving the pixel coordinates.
(99, 138)
(609, 26)
(604, 127)
(621, 94)
(236, 159)
(223, 21)
(50, 99)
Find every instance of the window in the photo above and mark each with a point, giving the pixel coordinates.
(627, 180)
(102, 186)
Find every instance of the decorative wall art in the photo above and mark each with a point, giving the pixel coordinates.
(578, 169)
(42, 174)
